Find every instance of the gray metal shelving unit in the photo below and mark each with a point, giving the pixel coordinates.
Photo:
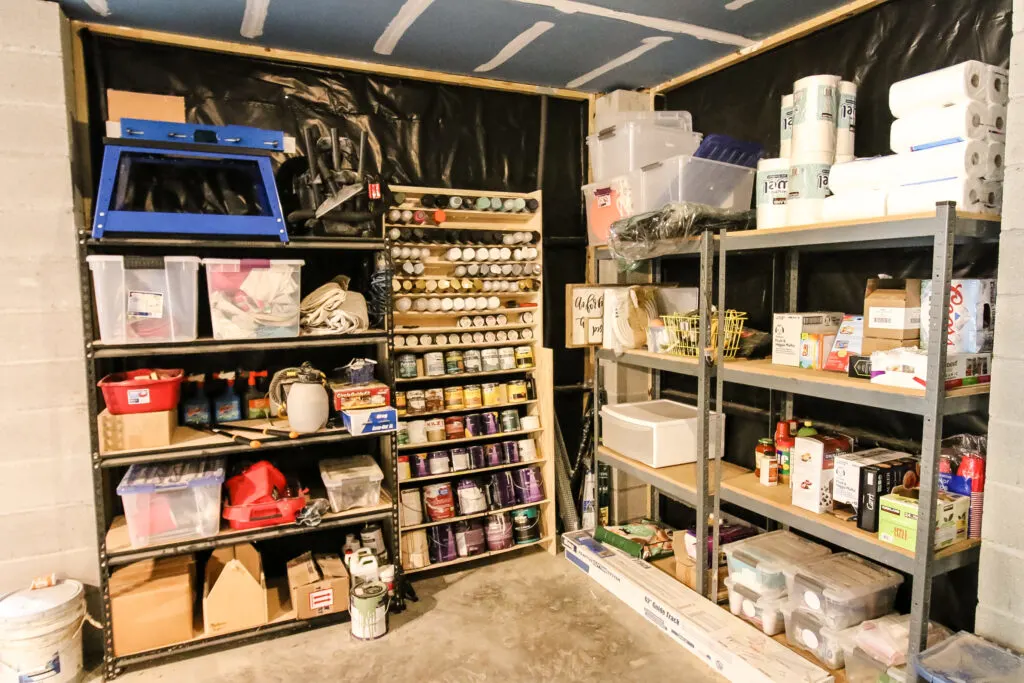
(941, 232)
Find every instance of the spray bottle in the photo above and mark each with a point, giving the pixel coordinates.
(256, 402)
(227, 406)
(195, 410)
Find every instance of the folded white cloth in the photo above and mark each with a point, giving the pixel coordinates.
(331, 309)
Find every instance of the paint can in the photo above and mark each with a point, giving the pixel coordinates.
(471, 497)
(438, 501)
(509, 452)
(438, 462)
(527, 450)
(417, 431)
(474, 426)
(400, 404)
(489, 360)
(470, 538)
(415, 402)
(454, 398)
(404, 468)
(411, 512)
(368, 609)
(492, 454)
(526, 526)
(498, 532)
(524, 357)
(415, 554)
(460, 459)
(402, 433)
(419, 464)
(501, 490)
(435, 429)
(490, 391)
(433, 364)
(454, 427)
(454, 363)
(529, 422)
(528, 485)
(406, 365)
(516, 391)
(472, 360)
(477, 459)
(372, 537)
(41, 634)
(502, 394)
(531, 389)
(441, 540)
(507, 358)
(434, 399)
(510, 420)
(489, 422)
(472, 396)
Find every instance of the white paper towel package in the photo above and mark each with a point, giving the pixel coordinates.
(997, 90)
(876, 173)
(807, 187)
(846, 122)
(772, 192)
(966, 192)
(943, 88)
(786, 127)
(855, 205)
(815, 105)
(933, 127)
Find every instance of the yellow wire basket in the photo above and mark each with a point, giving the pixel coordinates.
(684, 334)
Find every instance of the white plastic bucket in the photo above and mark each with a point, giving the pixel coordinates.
(41, 634)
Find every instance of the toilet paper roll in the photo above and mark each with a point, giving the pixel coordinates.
(411, 511)
(922, 198)
(772, 181)
(995, 120)
(864, 174)
(807, 187)
(997, 89)
(934, 127)
(991, 197)
(855, 205)
(997, 160)
(786, 127)
(943, 88)
(846, 120)
(815, 104)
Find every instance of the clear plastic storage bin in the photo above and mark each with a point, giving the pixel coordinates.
(967, 657)
(844, 589)
(172, 501)
(351, 482)
(763, 563)
(808, 632)
(690, 179)
(656, 433)
(610, 201)
(763, 612)
(634, 144)
(144, 299)
(253, 298)
(875, 647)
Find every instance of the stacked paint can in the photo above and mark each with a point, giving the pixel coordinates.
(468, 396)
(473, 425)
(453, 362)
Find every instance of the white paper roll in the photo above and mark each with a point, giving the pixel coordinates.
(963, 159)
(995, 119)
(967, 194)
(875, 173)
(845, 158)
(815, 104)
(786, 127)
(846, 120)
(772, 181)
(855, 205)
(807, 187)
(933, 127)
(997, 89)
(953, 85)
(997, 160)
(991, 197)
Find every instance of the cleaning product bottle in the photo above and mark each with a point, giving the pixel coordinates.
(227, 406)
(807, 429)
(256, 402)
(195, 409)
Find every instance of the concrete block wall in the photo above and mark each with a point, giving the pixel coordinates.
(1000, 613)
(46, 512)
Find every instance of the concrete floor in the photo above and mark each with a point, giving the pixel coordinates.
(531, 618)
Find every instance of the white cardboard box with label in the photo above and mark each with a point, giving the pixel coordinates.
(788, 328)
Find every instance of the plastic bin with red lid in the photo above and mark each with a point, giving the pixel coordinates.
(261, 496)
(141, 391)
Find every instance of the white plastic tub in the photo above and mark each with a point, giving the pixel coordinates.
(687, 178)
(41, 634)
(656, 433)
(610, 201)
(844, 589)
(145, 299)
(253, 298)
(351, 482)
(807, 631)
(763, 562)
(764, 612)
(172, 501)
(633, 144)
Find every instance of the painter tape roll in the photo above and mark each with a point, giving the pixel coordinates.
(942, 88)
(772, 181)
(997, 82)
(807, 187)
(411, 512)
(846, 120)
(815, 106)
(786, 127)
(935, 127)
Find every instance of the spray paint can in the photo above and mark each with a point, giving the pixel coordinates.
(526, 526)
(368, 609)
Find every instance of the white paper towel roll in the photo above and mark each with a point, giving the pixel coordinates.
(997, 159)
(815, 104)
(953, 85)
(854, 205)
(845, 158)
(997, 89)
(786, 127)
(933, 127)
(846, 121)
(807, 187)
(876, 173)
(995, 120)
(991, 198)
(967, 194)
(772, 184)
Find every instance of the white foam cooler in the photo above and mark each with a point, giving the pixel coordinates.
(657, 433)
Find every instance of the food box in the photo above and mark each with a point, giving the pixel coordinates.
(370, 420)
(358, 396)
(814, 350)
(847, 343)
(846, 484)
(789, 328)
(812, 470)
(892, 308)
(897, 520)
(908, 368)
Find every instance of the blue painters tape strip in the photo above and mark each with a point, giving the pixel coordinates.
(572, 557)
(937, 143)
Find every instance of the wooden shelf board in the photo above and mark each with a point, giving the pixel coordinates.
(684, 476)
(489, 553)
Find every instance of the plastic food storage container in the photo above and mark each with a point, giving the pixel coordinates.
(145, 299)
(253, 298)
(657, 433)
(351, 482)
(172, 501)
(967, 657)
(844, 589)
(610, 201)
(763, 612)
(690, 179)
(634, 144)
(808, 632)
(762, 563)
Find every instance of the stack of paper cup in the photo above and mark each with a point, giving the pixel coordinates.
(772, 181)
(786, 127)
(807, 187)
(846, 122)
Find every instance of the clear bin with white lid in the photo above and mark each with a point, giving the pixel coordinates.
(634, 144)
(687, 178)
(254, 298)
(807, 631)
(873, 647)
(351, 482)
(762, 611)
(762, 563)
(679, 119)
(174, 501)
(609, 201)
(844, 589)
(967, 657)
(145, 299)
(657, 433)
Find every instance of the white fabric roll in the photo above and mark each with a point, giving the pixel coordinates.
(772, 183)
(953, 85)
(933, 127)
(995, 120)
(846, 121)
(997, 80)
(922, 198)
(786, 127)
(997, 159)
(855, 205)
(807, 187)
(876, 173)
(815, 103)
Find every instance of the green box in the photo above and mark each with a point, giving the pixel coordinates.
(897, 518)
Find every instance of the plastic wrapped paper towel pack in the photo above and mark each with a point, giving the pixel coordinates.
(969, 159)
(933, 127)
(855, 205)
(952, 85)
(969, 194)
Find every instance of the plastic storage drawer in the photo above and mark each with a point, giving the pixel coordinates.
(635, 144)
(172, 501)
(808, 632)
(844, 589)
(763, 612)
(691, 179)
(351, 482)
(764, 562)
(967, 657)
(610, 201)
(253, 298)
(656, 433)
(145, 299)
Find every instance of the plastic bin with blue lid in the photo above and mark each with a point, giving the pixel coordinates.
(168, 502)
(967, 658)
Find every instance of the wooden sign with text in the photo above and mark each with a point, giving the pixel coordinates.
(584, 316)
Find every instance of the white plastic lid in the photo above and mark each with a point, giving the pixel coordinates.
(338, 470)
(842, 577)
(237, 263)
(776, 551)
(30, 605)
(651, 413)
(109, 258)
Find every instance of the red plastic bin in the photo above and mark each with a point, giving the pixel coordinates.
(141, 391)
(255, 515)
(258, 497)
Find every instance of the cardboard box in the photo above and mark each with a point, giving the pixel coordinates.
(846, 483)
(846, 344)
(897, 523)
(908, 368)
(370, 421)
(971, 319)
(234, 590)
(144, 105)
(869, 345)
(814, 350)
(137, 430)
(879, 479)
(360, 396)
(788, 329)
(892, 308)
(684, 568)
(813, 469)
(151, 604)
(318, 585)
(643, 538)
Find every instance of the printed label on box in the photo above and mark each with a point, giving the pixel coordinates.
(894, 318)
(138, 397)
(145, 305)
(322, 599)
